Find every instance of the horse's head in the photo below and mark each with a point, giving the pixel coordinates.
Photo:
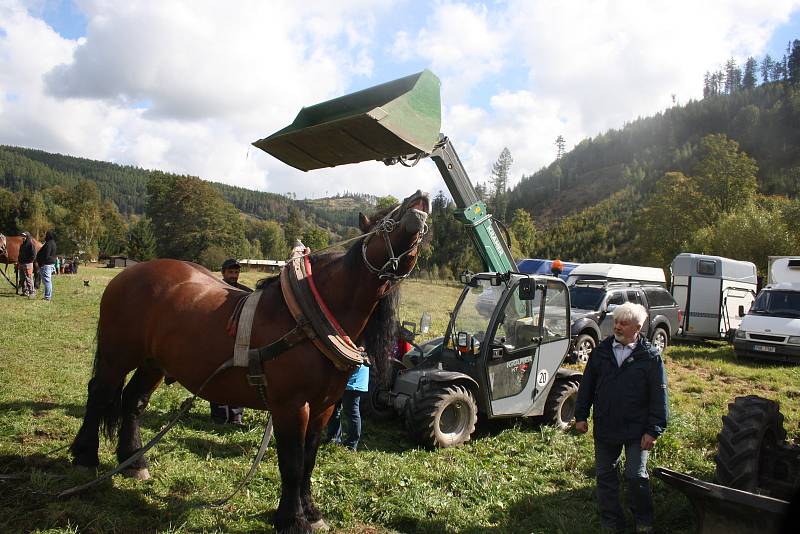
(393, 236)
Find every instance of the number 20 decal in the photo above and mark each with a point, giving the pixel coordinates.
(542, 376)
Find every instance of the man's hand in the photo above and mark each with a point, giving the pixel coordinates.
(582, 426)
(647, 442)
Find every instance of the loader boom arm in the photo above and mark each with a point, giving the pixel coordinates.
(471, 211)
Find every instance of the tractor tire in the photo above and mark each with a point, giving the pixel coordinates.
(559, 408)
(747, 446)
(441, 415)
(375, 404)
(659, 340)
(584, 346)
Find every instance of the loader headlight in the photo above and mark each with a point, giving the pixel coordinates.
(794, 340)
(741, 334)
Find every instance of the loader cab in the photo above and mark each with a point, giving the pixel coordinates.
(516, 330)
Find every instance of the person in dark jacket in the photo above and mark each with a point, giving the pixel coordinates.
(46, 260)
(27, 255)
(625, 384)
(221, 413)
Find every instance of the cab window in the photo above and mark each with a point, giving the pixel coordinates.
(520, 322)
(555, 325)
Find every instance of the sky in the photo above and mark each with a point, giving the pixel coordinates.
(186, 86)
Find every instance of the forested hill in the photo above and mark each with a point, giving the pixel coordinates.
(36, 170)
(764, 120)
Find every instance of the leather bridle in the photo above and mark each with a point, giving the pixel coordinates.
(388, 271)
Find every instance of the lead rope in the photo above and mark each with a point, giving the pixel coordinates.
(259, 455)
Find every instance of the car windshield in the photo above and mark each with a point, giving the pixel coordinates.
(476, 309)
(777, 303)
(586, 298)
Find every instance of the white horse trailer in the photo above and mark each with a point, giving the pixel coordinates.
(709, 290)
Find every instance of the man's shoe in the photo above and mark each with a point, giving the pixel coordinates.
(236, 421)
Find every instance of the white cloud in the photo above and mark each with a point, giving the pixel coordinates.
(185, 87)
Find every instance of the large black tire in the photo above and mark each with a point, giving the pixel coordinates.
(559, 408)
(441, 415)
(751, 434)
(375, 405)
(584, 345)
(659, 340)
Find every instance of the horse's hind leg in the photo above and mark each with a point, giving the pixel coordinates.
(102, 403)
(135, 398)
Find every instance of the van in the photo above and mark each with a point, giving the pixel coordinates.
(540, 266)
(710, 290)
(617, 272)
(771, 329)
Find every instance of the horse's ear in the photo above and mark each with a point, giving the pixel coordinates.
(363, 222)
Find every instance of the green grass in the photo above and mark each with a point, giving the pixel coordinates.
(512, 477)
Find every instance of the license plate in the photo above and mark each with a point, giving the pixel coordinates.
(764, 348)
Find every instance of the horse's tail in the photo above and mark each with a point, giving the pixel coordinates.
(110, 411)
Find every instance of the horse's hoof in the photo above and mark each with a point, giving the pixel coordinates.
(320, 526)
(136, 473)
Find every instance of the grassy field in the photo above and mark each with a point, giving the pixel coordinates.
(512, 477)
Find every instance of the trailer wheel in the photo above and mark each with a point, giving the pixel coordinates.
(584, 346)
(559, 408)
(441, 415)
(659, 340)
(752, 431)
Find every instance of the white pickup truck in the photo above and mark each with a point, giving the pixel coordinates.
(771, 329)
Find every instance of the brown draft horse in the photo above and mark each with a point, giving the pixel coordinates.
(9, 252)
(169, 316)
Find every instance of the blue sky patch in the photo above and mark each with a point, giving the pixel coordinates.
(64, 17)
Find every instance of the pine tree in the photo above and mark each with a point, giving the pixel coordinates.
(793, 63)
(749, 76)
(141, 240)
(767, 67)
(499, 181)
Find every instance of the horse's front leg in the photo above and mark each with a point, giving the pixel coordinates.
(290, 434)
(315, 428)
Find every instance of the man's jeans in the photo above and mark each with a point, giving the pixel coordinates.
(607, 459)
(347, 412)
(26, 278)
(46, 271)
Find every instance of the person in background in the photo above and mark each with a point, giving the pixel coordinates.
(27, 255)
(46, 260)
(222, 413)
(625, 384)
(75, 261)
(348, 411)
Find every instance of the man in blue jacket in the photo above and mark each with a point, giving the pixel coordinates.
(626, 385)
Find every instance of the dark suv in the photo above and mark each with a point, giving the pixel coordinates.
(593, 301)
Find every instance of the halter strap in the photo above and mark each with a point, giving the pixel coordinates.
(388, 271)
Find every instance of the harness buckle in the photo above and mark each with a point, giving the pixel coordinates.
(257, 380)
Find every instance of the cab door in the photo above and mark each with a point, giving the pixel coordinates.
(512, 358)
(529, 342)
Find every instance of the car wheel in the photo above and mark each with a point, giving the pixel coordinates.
(659, 339)
(442, 415)
(584, 346)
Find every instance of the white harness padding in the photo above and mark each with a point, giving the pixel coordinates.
(245, 329)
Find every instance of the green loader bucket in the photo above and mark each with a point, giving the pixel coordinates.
(393, 119)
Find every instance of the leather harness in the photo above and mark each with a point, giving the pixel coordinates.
(314, 320)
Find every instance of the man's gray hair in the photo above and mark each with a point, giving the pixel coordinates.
(631, 312)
